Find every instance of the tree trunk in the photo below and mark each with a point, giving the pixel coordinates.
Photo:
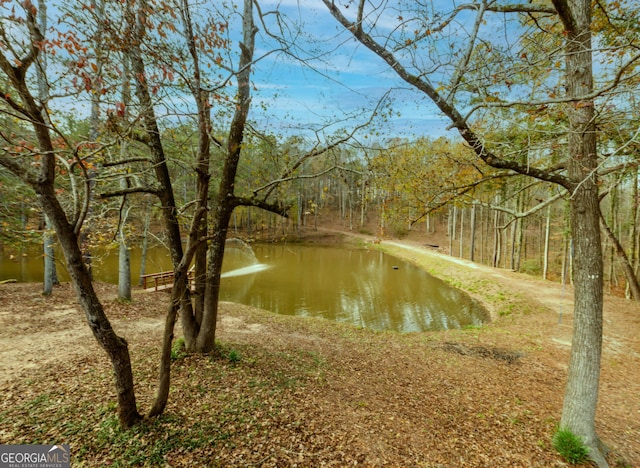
(545, 256)
(180, 284)
(514, 246)
(124, 255)
(632, 280)
(50, 270)
(226, 200)
(115, 346)
(497, 240)
(363, 200)
(68, 236)
(611, 227)
(633, 230)
(451, 228)
(164, 380)
(484, 233)
(145, 245)
(203, 176)
(461, 232)
(124, 270)
(206, 339)
(472, 245)
(165, 194)
(581, 393)
(518, 238)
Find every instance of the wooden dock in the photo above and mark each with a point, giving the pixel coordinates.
(163, 281)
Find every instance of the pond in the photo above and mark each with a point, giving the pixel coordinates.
(364, 287)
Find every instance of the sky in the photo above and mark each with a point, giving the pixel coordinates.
(345, 82)
(348, 79)
(337, 89)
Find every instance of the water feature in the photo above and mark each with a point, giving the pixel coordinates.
(241, 248)
(28, 267)
(240, 259)
(366, 288)
(248, 270)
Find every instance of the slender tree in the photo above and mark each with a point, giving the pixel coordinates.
(50, 270)
(37, 168)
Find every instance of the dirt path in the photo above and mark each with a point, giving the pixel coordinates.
(36, 332)
(621, 316)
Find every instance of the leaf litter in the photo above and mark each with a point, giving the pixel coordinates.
(306, 392)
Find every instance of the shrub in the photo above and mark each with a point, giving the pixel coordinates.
(399, 229)
(570, 446)
(531, 267)
(234, 356)
(178, 350)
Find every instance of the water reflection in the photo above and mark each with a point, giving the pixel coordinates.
(366, 288)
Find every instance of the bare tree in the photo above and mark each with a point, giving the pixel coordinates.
(50, 270)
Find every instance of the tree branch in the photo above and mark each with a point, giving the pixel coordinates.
(587, 97)
(458, 121)
(317, 151)
(529, 212)
(456, 191)
(297, 177)
(122, 162)
(126, 191)
(464, 63)
(276, 207)
(563, 9)
(23, 172)
(492, 7)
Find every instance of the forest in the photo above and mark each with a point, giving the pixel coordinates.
(153, 120)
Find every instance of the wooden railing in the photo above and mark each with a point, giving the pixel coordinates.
(163, 281)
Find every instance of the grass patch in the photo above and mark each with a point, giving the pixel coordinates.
(149, 443)
(228, 352)
(178, 350)
(507, 310)
(234, 356)
(570, 446)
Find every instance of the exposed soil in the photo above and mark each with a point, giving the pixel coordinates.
(308, 392)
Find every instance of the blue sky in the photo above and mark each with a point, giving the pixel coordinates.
(342, 84)
(347, 80)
